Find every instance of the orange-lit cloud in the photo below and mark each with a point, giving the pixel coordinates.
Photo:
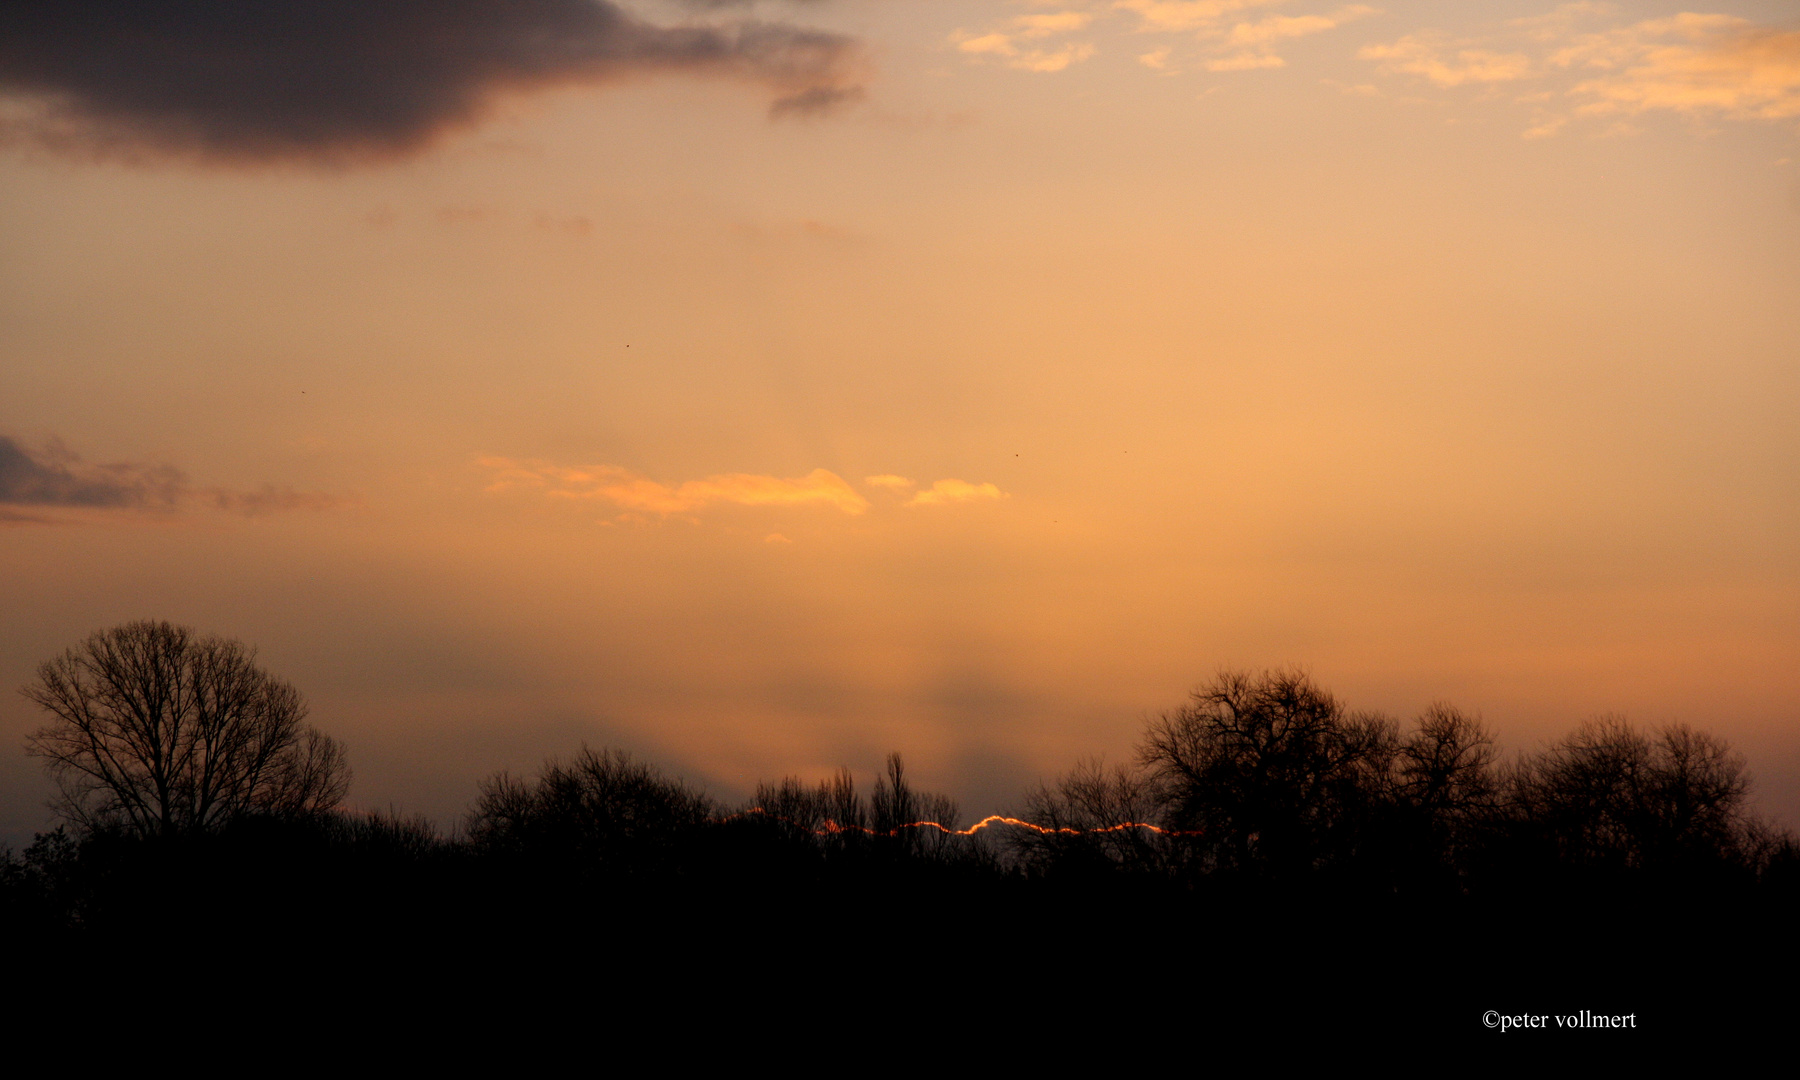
(1694, 63)
(1246, 62)
(1691, 63)
(1156, 59)
(1061, 22)
(1231, 40)
(632, 491)
(1005, 44)
(1448, 63)
(1278, 27)
(1180, 15)
(890, 481)
(637, 494)
(955, 491)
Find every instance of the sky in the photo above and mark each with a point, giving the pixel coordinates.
(762, 387)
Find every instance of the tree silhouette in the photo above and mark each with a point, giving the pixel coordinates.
(160, 731)
(1612, 796)
(604, 811)
(1445, 791)
(894, 821)
(1092, 819)
(1268, 774)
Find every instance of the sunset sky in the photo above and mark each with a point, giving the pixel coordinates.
(762, 387)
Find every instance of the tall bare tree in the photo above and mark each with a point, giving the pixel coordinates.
(1268, 773)
(159, 730)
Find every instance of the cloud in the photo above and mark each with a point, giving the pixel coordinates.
(997, 43)
(1187, 14)
(889, 481)
(636, 494)
(1448, 63)
(57, 477)
(345, 80)
(1156, 59)
(814, 101)
(820, 486)
(267, 499)
(955, 491)
(1054, 60)
(1246, 62)
(1558, 24)
(1690, 63)
(633, 491)
(1545, 128)
(1061, 22)
(10, 519)
(1004, 44)
(1278, 27)
(1694, 63)
(1236, 44)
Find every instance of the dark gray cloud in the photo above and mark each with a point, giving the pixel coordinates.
(338, 80)
(714, 5)
(267, 499)
(57, 477)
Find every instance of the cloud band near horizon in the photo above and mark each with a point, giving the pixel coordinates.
(56, 477)
(635, 493)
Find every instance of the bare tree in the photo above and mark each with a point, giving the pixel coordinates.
(1268, 772)
(831, 813)
(1612, 795)
(920, 823)
(160, 731)
(1446, 766)
(604, 810)
(1094, 818)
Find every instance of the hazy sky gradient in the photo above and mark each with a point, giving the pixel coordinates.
(964, 379)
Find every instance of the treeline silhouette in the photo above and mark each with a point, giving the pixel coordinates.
(1265, 842)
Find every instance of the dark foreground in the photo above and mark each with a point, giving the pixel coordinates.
(324, 923)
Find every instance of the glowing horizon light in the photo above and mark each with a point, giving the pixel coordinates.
(832, 828)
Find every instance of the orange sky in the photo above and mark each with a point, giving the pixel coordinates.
(963, 379)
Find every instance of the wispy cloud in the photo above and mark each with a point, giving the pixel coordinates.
(633, 491)
(55, 477)
(890, 481)
(1275, 28)
(955, 491)
(636, 494)
(1228, 36)
(1185, 15)
(326, 80)
(1448, 62)
(1690, 63)
(1021, 42)
(1694, 63)
(1251, 45)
